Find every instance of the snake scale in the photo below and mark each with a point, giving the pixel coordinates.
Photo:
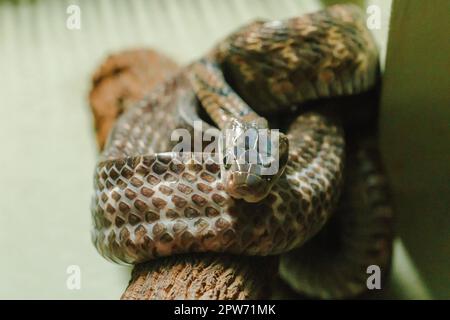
(150, 201)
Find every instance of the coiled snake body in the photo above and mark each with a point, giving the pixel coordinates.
(150, 201)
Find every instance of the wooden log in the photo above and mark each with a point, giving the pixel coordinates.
(203, 276)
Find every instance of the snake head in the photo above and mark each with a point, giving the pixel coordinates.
(254, 157)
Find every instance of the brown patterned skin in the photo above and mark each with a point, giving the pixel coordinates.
(359, 234)
(275, 66)
(149, 202)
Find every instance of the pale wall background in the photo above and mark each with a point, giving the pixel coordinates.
(48, 149)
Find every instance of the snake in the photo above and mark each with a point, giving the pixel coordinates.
(154, 199)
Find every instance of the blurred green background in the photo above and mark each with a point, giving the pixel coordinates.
(49, 152)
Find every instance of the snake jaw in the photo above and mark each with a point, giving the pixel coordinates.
(249, 187)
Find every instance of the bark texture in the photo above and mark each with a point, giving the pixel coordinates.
(202, 276)
(121, 80)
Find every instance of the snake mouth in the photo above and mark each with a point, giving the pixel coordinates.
(249, 187)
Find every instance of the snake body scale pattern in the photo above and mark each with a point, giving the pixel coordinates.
(360, 233)
(151, 202)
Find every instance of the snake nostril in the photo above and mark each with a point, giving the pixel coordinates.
(242, 190)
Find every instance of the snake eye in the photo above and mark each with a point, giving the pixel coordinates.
(266, 164)
(227, 162)
(264, 161)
